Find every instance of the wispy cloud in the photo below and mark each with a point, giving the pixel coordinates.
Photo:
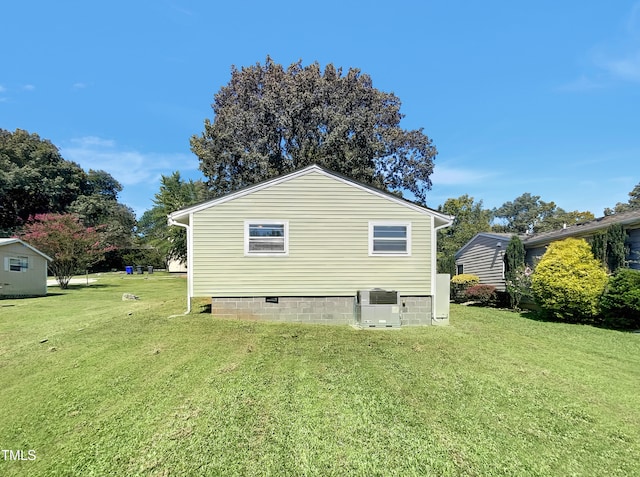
(129, 167)
(446, 175)
(583, 83)
(2, 89)
(79, 85)
(614, 60)
(625, 67)
(28, 87)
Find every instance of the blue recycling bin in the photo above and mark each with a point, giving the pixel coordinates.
(129, 270)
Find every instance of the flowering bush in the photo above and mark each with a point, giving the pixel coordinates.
(519, 285)
(484, 294)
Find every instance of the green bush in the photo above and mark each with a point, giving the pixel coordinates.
(621, 301)
(460, 283)
(483, 294)
(568, 282)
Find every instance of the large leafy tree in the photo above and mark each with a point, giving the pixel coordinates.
(528, 213)
(34, 178)
(632, 204)
(470, 218)
(99, 206)
(175, 193)
(72, 246)
(270, 120)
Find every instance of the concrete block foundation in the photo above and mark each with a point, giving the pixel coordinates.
(337, 310)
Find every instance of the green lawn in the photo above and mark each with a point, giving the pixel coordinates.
(128, 388)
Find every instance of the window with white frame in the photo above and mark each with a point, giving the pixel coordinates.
(266, 237)
(389, 238)
(16, 264)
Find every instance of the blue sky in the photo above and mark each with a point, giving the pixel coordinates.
(540, 97)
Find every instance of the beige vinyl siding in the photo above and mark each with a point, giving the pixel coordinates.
(328, 253)
(32, 281)
(484, 259)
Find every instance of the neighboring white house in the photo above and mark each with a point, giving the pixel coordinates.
(23, 269)
(299, 248)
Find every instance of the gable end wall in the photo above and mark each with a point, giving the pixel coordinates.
(485, 260)
(328, 244)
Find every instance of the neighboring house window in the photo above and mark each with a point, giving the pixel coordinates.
(459, 269)
(16, 264)
(389, 238)
(266, 237)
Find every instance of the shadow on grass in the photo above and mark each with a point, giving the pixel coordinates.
(81, 286)
(624, 326)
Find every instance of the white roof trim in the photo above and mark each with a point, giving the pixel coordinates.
(446, 219)
(7, 241)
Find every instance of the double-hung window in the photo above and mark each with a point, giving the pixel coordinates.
(266, 237)
(16, 264)
(389, 238)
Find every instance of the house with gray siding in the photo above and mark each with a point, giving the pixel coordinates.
(299, 247)
(483, 255)
(536, 244)
(23, 269)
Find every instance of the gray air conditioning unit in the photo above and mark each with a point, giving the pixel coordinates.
(378, 308)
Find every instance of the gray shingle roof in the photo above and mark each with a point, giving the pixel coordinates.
(630, 219)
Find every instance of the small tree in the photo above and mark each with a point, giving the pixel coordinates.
(568, 282)
(72, 246)
(610, 247)
(517, 281)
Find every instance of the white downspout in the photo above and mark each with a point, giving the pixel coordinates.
(189, 264)
(434, 266)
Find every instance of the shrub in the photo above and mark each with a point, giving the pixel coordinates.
(568, 282)
(621, 301)
(484, 294)
(459, 283)
(518, 285)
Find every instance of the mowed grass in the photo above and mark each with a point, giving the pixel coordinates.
(128, 388)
